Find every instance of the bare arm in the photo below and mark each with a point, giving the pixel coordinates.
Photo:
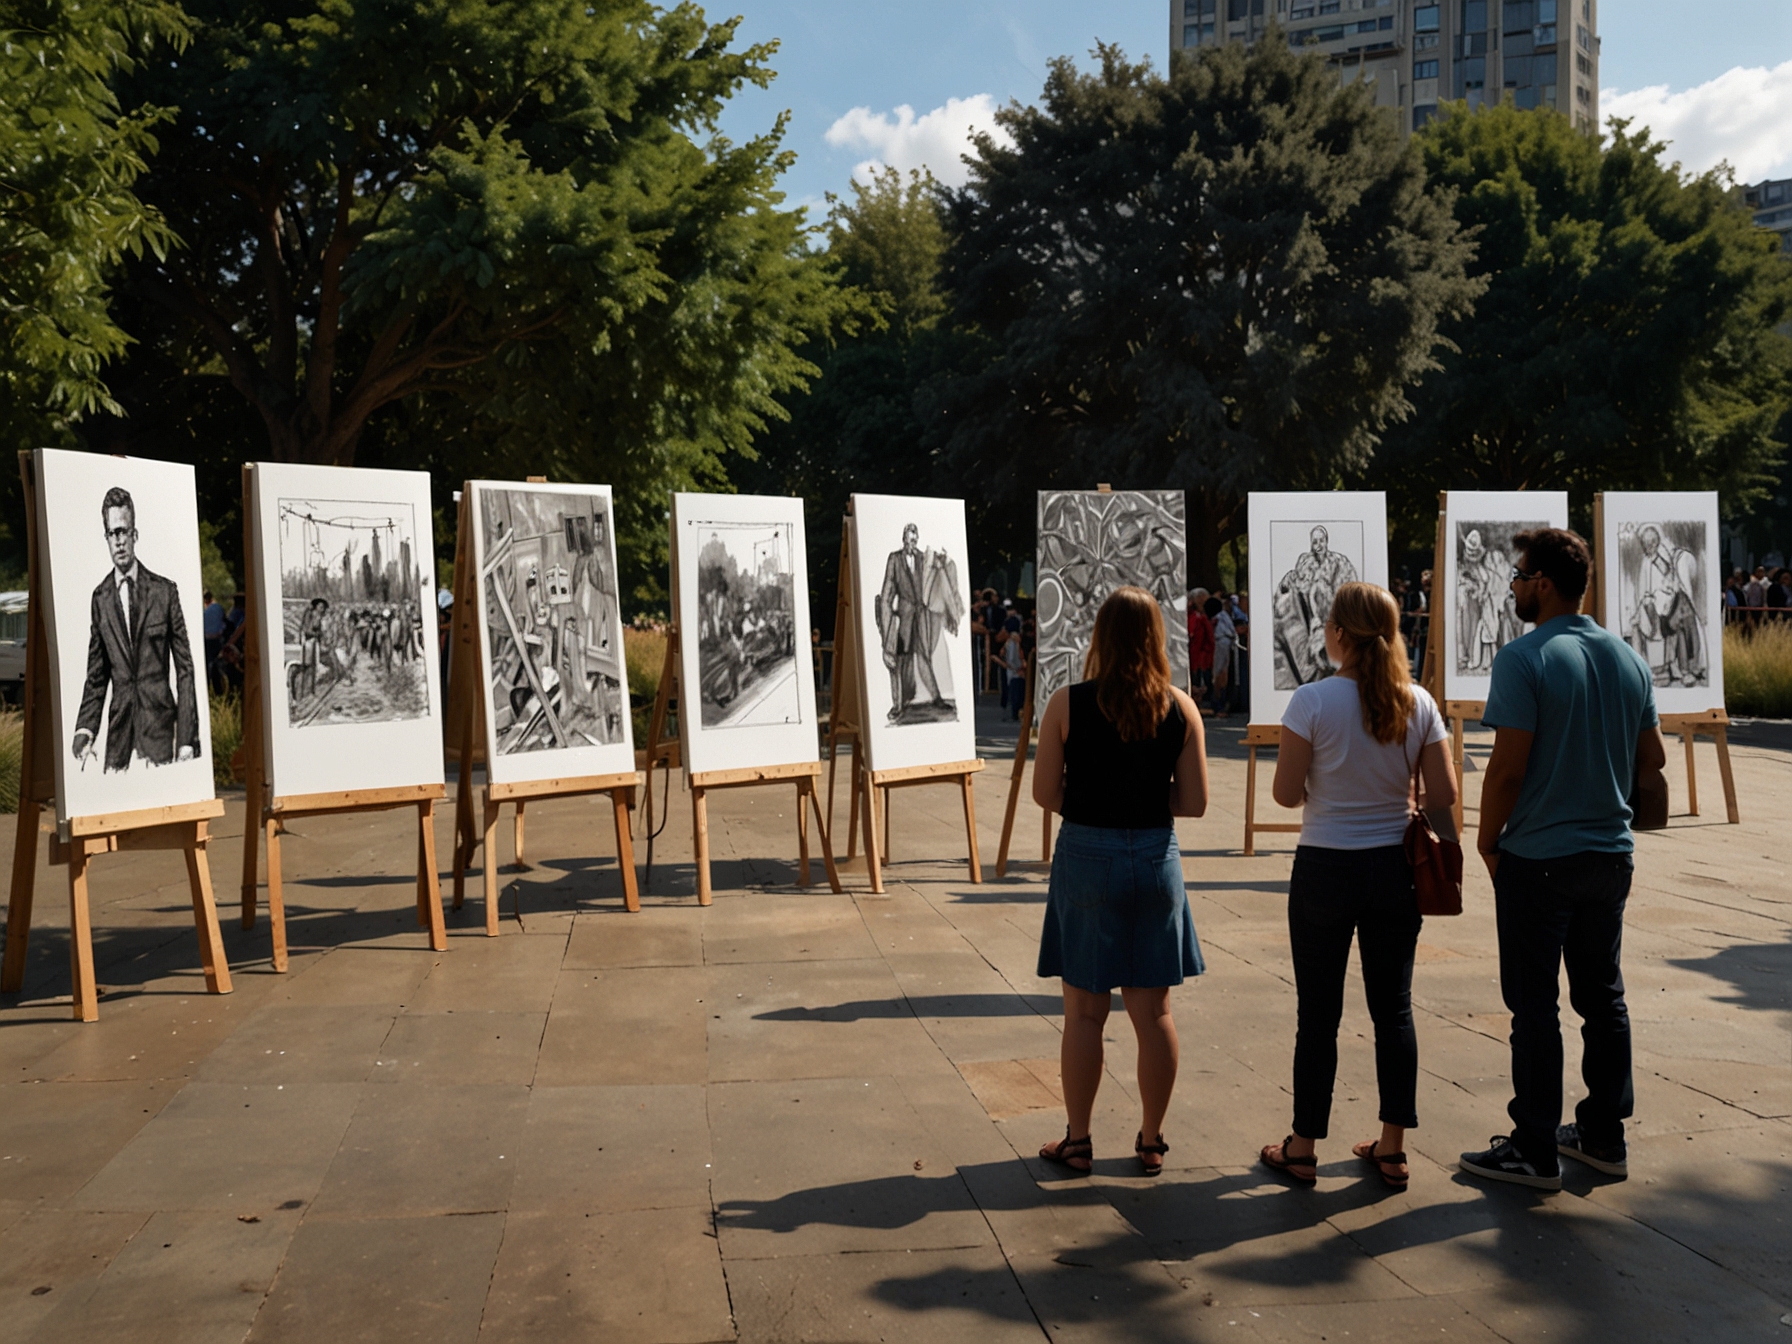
(1293, 759)
(1500, 787)
(1048, 759)
(1188, 786)
(1441, 788)
(1651, 787)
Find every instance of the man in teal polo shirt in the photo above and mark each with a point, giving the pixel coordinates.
(1576, 733)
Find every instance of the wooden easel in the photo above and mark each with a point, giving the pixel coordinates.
(467, 707)
(851, 687)
(1714, 722)
(664, 752)
(265, 815)
(1457, 713)
(181, 826)
(1258, 735)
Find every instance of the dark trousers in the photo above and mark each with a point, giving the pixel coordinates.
(1333, 895)
(1555, 912)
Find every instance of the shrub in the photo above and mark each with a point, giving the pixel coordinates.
(12, 752)
(1758, 670)
(645, 652)
(227, 736)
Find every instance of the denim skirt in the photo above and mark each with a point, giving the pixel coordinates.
(1117, 914)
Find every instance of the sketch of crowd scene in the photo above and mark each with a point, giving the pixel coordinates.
(919, 601)
(1302, 602)
(1486, 611)
(1091, 543)
(1662, 570)
(357, 645)
(552, 620)
(746, 635)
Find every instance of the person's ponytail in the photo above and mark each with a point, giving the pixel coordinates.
(1368, 621)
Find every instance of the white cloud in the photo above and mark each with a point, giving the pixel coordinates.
(935, 140)
(1741, 117)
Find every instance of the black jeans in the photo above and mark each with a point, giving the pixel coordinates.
(1334, 894)
(1554, 912)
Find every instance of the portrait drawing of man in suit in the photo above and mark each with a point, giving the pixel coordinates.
(139, 651)
(919, 598)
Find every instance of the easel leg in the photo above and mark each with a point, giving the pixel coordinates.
(1250, 801)
(970, 828)
(885, 836)
(80, 937)
(833, 760)
(873, 858)
(276, 894)
(517, 835)
(429, 881)
(1020, 766)
(700, 841)
(803, 787)
(823, 828)
(251, 860)
(489, 871)
(852, 813)
(1688, 738)
(24, 884)
(205, 920)
(625, 850)
(1457, 756)
(463, 821)
(1721, 736)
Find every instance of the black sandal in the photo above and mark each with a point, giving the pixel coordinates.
(1381, 1162)
(1067, 1152)
(1140, 1147)
(1305, 1170)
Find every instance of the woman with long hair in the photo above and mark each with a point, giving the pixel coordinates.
(1120, 755)
(1351, 745)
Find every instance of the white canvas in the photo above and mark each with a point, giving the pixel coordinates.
(1303, 548)
(550, 632)
(1091, 543)
(740, 582)
(912, 598)
(1661, 592)
(130, 717)
(345, 574)
(1474, 593)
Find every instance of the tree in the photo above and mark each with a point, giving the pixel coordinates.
(69, 155)
(857, 428)
(497, 204)
(1626, 337)
(1224, 280)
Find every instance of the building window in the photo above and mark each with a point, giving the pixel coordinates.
(1474, 44)
(1385, 23)
(1366, 26)
(1329, 34)
(1328, 6)
(1525, 99)
(1424, 20)
(1549, 95)
(1422, 113)
(1424, 69)
(1428, 42)
(1544, 35)
(1474, 15)
(1236, 9)
(1583, 95)
(1546, 11)
(1543, 69)
(1517, 16)
(1582, 64)
(1302, 12)
(1518, 71)
(1583, 38)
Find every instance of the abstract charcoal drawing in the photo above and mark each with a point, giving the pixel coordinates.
(746, 629)
(1092, 543)
(357, 641)
(1314, 559)
(137, 646)
(1662, 578)
(1484, 608)
(552, 621)
(918, 603)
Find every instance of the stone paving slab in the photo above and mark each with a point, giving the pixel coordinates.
(801, 1116)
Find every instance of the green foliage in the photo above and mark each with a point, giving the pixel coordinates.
(1758, 671)
(857, 428)
(485, 237)
(227, 737)
(214, 572)
(12, 757)
(1226, 280)
(1626, 339)
(70, 152)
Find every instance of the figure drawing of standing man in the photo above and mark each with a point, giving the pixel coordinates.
(137, 631)
(919, 597)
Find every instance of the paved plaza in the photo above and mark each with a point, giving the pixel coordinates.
(802, 1116)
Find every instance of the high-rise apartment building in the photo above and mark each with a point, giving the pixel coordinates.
(1771, 202)
(1418, 53)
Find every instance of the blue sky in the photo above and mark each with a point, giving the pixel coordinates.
(958, 59)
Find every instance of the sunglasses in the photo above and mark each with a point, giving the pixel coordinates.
(1525, 576)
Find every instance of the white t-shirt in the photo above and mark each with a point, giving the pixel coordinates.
(1358, 789)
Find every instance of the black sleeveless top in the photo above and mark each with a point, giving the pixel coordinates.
(1115, 784)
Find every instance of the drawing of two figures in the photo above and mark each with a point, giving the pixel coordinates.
(918, 600)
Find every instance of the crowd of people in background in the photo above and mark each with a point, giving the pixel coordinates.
(1751, 599)
(1003, 633)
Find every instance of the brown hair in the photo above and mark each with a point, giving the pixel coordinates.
(1558, 555)
(1368, 621)
(1130, 664)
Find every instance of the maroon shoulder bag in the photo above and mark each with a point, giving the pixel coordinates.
(1436, 862)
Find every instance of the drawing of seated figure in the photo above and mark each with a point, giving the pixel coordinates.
(1301, 605)
(1666, 611)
